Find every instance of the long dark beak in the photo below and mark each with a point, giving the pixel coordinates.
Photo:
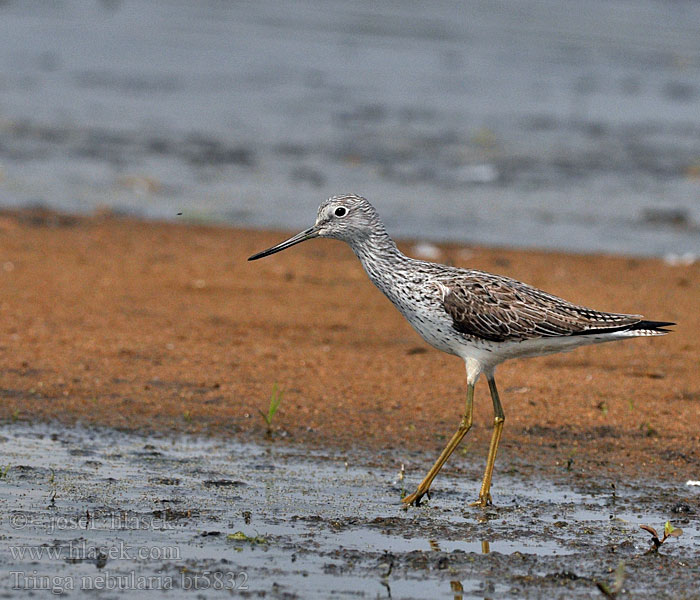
(308, 234)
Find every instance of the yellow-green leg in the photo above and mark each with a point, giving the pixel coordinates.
(499, 419)
(464, 427)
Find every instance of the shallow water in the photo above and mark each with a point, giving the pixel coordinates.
(538, 123)
(100, 509)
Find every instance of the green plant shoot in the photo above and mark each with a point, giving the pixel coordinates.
(275, 399)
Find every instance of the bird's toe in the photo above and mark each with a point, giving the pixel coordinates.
(415, 498)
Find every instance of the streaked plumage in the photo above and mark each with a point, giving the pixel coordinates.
(483, 318)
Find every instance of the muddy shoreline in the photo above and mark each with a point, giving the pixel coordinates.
(95, 509)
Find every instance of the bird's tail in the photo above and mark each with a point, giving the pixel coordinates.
(640, 328)
(651, 327)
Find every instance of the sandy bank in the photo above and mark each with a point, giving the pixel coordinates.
(149, 325)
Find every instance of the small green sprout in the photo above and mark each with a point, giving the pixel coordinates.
(400, 478)
(3, 472)
(648, 430)
(52, 483)
(611, 591)
(669, 531)
(275, 399)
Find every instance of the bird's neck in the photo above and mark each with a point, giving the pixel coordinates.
(379, 256)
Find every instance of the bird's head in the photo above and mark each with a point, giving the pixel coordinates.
(346, 217)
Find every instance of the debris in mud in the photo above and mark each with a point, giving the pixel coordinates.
(223, 483)
(170, 514)
(321, 525)
(239, 536)
(611, 591)
(165, 480)
(682, 508)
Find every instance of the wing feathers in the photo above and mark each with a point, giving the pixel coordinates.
(501, 309)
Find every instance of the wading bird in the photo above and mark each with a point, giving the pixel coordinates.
(485, 319)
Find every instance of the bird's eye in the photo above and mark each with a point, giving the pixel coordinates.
(341, 211)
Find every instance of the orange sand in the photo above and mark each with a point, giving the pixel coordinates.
(159, 326)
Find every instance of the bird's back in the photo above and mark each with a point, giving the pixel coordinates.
(457, 310)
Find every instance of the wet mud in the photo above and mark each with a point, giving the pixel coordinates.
(101, 510)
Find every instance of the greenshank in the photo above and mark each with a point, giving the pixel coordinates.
(485, 319)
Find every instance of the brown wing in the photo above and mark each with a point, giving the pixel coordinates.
(501, 309)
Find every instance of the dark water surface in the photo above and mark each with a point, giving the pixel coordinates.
(546, 123)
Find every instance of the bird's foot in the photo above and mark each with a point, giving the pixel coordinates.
(483, 501)
(415, 498)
